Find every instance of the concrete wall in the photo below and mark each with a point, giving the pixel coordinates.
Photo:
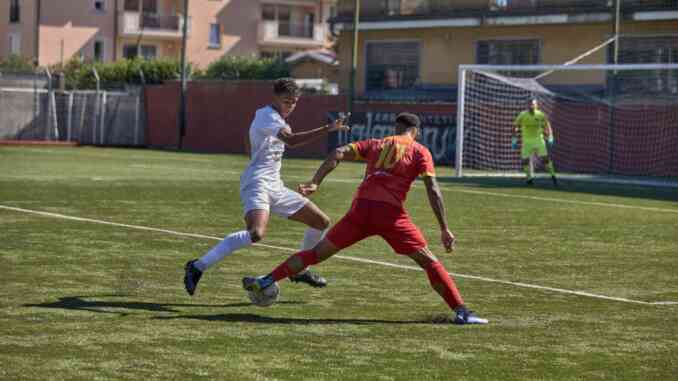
(23, 115)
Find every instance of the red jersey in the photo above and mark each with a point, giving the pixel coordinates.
(393, 163)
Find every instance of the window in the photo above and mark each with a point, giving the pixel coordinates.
(509, 52)
(392, 7)
(148, 52)
(14, 11)
(646, 50)
(268, 12)
(392, 65)
(292, 20)
(132, 5)
(100, 5)
(150, 6)
(14, 44)
(284, 20)
(215, 36)
(98, 51)
(498, 4)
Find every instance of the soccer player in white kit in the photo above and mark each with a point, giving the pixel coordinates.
(262, 192)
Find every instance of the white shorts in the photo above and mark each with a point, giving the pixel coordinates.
(284, 202)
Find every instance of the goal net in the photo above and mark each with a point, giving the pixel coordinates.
(617, 120)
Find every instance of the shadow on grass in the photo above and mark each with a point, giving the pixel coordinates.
(569, 185)
(254, 318)
(79, 303)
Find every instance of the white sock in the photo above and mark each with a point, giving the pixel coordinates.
(228, 245)
(311, 238)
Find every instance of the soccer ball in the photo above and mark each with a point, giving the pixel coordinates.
(265, 297)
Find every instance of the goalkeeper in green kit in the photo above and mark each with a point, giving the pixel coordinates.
(534, 127)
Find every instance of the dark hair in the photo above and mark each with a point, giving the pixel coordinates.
(286, 86)
(408, 119)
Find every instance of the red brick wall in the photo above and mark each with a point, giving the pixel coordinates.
(219, 116)
(220, 113)
(161, 116)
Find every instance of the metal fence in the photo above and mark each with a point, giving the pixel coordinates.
(31, 108)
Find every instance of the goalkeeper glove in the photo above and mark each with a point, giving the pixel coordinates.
(514, 142)
(550, 140)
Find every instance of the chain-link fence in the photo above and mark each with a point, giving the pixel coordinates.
(32, 107)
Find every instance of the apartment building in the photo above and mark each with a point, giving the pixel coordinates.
(53, 31)
(404, 44)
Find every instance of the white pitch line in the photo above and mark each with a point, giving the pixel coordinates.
(354, 259)
(550, 199)
(525, 197)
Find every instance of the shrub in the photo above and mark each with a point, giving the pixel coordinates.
(234, 67)
(16, 64)
(79, 74)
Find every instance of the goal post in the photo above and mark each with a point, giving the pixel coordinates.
(619, 120)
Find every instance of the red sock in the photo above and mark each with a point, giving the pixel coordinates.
(308, 257)
(444, 284)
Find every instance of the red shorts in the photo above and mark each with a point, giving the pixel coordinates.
(367, 218)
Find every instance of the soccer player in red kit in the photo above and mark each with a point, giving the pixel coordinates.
(393, 163)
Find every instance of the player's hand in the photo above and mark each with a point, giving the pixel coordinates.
(514, 142)
(550, 141)
(448, 239)
(307, 188)
(340, 123)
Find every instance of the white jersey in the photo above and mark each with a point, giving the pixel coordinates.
(266, 150)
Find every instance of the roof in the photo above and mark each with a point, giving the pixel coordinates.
(325, 56)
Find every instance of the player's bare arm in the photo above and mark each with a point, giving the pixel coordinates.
(297, 139)
(435, 199)
(332, 161)
(548, 131)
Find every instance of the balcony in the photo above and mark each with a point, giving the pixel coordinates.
(135, 24)
(282, 33)
(441, 9)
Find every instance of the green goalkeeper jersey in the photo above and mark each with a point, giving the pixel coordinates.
(531, 125)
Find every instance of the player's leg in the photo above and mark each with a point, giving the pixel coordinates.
(444, 285)
(347, 231)
(301, 260)
(526, 151)
(256, 202)
(406, 239)
(548, 163)
(293, 206)
(317, 222)
(256, 222)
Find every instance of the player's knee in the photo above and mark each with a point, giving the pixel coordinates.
(257, 234)
(320, 221)
(324, 222)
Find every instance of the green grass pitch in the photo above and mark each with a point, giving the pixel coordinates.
(81, 300)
